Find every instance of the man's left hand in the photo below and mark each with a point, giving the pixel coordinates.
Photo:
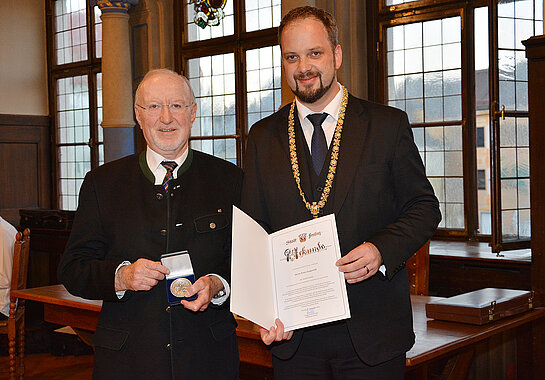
(360, 263)
(205, 288)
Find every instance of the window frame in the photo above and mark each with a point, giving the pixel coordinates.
(468, 120)
(382, 17)
(238, 43)
(90, 67)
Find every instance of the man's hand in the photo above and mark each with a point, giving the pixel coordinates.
(360, 263)
(205, 288)
(275, 334)
(143, 274)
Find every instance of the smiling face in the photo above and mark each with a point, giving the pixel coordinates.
(165, 133)
(310, 62)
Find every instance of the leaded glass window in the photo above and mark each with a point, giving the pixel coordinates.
(263, 73)
(435, 65)
(77, 94)
(234, 70)
(213, 81)
(424, 79)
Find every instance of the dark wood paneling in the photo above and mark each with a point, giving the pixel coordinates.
(459, 267)
(453, 275)
(26, 156)
(50, 232)
(25, 164)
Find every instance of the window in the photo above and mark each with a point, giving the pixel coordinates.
(481, 179)
(75, 92)
(430, 54)
(480, 137)
(424, 79)
(234, 70)
(516, 21)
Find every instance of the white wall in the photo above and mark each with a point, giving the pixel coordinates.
(23, 62)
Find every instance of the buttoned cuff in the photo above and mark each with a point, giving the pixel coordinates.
(220, 300)
(121, 293)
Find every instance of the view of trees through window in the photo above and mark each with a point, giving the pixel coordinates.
(460, 134)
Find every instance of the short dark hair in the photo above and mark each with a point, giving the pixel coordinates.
(321, 15)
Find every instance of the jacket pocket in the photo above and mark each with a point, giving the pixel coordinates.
(211, 223)
(109, 338)
(223, 329)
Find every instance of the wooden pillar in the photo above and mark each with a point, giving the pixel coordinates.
(535, 52)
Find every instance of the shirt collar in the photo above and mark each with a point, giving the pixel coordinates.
(332, 109)
(154, 160)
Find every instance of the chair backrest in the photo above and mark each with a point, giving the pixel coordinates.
(21, 250)
(418, 268)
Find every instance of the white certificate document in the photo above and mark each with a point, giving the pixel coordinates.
(290, 274)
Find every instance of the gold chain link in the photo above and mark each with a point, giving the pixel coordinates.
(315, 207)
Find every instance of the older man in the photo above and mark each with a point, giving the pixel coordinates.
(166, 199)
(329, 152)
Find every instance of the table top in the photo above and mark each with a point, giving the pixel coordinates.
(57, 295)
(433, 338)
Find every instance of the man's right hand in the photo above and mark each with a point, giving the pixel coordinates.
(275, 333)
(143, 274)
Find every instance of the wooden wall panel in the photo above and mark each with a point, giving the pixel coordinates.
(25, 164)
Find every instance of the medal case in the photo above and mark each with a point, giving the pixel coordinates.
(179, 265)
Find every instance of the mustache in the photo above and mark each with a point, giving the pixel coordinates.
(307, 75)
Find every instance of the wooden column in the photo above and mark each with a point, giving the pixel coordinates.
(535, 52)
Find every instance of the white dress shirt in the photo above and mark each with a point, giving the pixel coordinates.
(7, 241)
(329, 124)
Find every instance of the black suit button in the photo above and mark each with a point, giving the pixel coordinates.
(167, 309)
(159, 196)
(319, 189)
(168, 346)
(163, 232)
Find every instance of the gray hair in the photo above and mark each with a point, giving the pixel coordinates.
(153, 72)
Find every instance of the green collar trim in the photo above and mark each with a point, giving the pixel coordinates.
(148, 173)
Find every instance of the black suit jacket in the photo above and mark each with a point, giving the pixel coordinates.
(121, 216)
(381, 195)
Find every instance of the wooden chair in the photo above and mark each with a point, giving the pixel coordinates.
(15, 324)
(418, 268)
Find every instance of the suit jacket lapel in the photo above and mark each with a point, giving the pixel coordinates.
(355, 126)
(282, 130)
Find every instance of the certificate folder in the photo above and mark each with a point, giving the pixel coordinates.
(290, 274)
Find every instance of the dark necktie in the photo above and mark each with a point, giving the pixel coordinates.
(318, 144)
(169, 166)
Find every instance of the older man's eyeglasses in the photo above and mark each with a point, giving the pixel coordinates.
(156, 108)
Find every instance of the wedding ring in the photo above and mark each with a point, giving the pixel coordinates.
(365, 266)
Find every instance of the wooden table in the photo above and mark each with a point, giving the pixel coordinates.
(435, 340)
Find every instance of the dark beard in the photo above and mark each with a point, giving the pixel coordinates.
(310, 96)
